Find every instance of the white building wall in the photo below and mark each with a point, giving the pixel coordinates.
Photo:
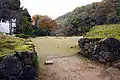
(4, 27)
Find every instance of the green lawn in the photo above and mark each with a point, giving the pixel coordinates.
(104, 31)
(48, 47)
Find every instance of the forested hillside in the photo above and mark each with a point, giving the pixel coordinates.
(81, 19)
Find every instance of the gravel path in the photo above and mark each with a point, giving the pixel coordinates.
(68, 68)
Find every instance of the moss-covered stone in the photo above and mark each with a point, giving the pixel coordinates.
(17, 55)
(9, 44)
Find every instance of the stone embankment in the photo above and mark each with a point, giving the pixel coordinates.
(21, 65)
(106, 51)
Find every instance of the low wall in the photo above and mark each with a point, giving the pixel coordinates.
(19, 66)
(106, 51)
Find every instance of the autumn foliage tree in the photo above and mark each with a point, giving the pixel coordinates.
(44, 23)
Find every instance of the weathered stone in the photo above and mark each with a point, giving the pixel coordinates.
(12, 78)
(11, 65)
(81, 43)
(116, 64)
(103, 56)
(114, 73)
(28, 73)
(107, 51)
(26, 57)
(87, 40)
(18, 66)
(86, 46)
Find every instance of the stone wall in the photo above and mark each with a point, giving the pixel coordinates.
(106, 51)
(21, 65)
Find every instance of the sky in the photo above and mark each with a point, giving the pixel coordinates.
(53, 8)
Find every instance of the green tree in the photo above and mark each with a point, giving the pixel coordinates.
(25, 25)
(24, 22)
(118, 7)
(78, 25)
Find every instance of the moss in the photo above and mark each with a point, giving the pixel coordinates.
(36, 62)
(8, 44)
(104, 31)
(29, 43)
(24, 48)
(22, 36)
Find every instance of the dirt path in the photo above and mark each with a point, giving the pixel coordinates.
(67, 68)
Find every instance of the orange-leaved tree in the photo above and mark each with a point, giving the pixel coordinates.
(44, 22)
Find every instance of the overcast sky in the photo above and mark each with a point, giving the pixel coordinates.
(53, 8)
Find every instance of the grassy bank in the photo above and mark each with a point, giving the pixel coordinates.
(10, 44)
(104, 31)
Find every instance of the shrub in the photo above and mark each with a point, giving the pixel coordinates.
(22, 35)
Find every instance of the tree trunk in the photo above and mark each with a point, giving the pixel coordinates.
(17, 26)
(10, 26)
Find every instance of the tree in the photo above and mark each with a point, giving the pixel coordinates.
(25, 25)
(98, 13)
(45, 24)
(78, 25)
(118, 8)
(80, 21)
(24, 22)
(9, 10)
(35, 19)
